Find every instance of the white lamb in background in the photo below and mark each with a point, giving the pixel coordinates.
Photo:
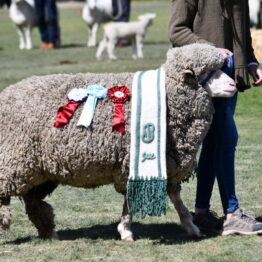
(135, 31)
(22, 13)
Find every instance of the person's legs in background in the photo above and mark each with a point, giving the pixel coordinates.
(121, 13)
(52, 22)
(41, 20)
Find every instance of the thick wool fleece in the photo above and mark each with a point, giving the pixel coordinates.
(33, 151)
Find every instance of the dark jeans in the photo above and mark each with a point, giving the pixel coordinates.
(48, 26)
(121, 10)
(217, 157)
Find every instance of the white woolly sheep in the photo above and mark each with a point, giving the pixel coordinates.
(22, 13)
(134, 31)
(35, 156)
(94, 13)
(255, 12)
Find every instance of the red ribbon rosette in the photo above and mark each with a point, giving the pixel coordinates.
(119, 95)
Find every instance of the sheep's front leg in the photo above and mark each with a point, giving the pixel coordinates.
(139, 46)
(5, 215)
(134, 48)
(28, 36)
(184, 215)
(92, 31)
(110, 49)
(21, 34)
(101, 48)
(124, 227)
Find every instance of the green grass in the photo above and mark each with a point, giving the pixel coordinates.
(86, 220)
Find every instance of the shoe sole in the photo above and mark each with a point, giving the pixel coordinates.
(237, 232)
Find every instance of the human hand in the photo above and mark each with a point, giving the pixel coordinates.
(256, 74)
(225, 53)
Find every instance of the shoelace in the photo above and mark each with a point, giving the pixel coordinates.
(248, 216)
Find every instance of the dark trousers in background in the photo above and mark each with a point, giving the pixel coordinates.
(121, 10)
(47, 16)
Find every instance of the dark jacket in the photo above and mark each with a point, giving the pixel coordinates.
(222, 23)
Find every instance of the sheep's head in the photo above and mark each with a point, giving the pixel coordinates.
(147, 17)
(189, 62)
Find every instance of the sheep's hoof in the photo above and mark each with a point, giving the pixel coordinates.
(91, 45)
(193, 231)
(128, 239)
(3, 231)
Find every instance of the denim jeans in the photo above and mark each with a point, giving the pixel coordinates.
(48, 26)
(217, 157)
(121, 10)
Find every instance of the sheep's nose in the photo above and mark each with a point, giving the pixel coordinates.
(231, 87)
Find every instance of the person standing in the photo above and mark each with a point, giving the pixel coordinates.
(47, 18)
(224, 24)
(121, 13)
(121, 10)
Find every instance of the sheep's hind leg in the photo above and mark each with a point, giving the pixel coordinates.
(39, 212)
(124, 227)
(5, 215)
(22, 38)
(184, 215)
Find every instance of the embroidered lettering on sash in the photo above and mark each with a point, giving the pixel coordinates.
(148, 134)
(146, 156)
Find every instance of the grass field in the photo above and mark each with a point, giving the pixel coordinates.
(86, 220)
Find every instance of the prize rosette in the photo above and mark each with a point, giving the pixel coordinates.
(65, 113)
(77, 94)
(119, 95)
(94, 92)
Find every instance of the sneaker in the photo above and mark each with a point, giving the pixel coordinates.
(51, 46)
(241, 224)
(208, 222)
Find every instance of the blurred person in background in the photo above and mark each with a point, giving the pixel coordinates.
(47, 18)
(121, 13)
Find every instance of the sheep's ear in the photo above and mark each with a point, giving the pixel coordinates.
(187, 72)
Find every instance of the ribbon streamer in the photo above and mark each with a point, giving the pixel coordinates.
(119, 95)
(65, 113)
(94, 92)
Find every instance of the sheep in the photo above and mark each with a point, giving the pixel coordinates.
(255, 12)
(257, 43)
(35, 157)
(22, 13)
(135, 31)
(94, 13)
